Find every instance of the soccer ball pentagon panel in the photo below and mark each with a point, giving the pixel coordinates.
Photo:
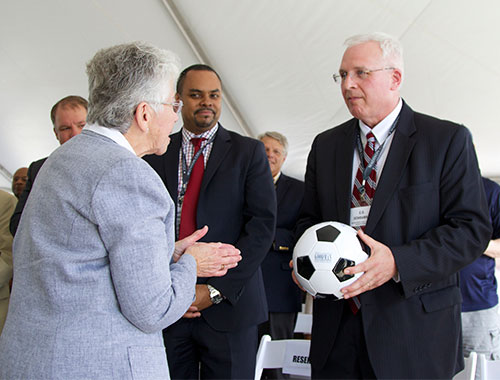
(321, 255)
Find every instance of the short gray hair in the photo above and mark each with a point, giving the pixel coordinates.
(391, 47)
(123, 76)
(277, 136)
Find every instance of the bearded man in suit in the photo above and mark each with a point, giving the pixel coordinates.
(416, 191)
(217, 338)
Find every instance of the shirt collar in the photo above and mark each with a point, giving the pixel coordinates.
(381, 130)
(276, 177)
(112, 133)
(187, 135)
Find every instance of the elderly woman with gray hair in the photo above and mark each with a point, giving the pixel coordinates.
(97, 274)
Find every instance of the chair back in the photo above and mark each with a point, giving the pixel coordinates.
(303, 324)
(469, 372)
(488, 369)
(291, 355)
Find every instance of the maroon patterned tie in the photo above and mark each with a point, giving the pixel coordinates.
(365, 197)
(190, 203)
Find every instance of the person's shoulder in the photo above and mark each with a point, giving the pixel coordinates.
(123, 165)
(292, 181)
(491, 186)
(336, 131)
(442, 132)
(242, 146)
(7, 198)
(96, 150)
(34, 167)
(38, 163)
(237, 138)
(435, 126)
(422, 119)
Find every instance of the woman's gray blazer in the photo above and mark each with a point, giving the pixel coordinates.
(94, 284)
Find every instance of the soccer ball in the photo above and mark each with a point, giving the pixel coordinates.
(321, 255)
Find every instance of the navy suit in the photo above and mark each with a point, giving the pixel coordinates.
(32, 172)
(238, 203)
(282, 293)
(430, 210)
(283, 296)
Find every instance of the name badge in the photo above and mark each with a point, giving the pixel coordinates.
(359, 216)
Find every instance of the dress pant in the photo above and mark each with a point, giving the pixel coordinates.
(197, 351)
(348, 358)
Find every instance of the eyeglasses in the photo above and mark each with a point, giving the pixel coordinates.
(358, 74)
(176, 106)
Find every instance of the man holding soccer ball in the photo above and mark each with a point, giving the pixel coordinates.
(410, 183)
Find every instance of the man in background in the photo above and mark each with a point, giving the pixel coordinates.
(68, 117)
(19, 181)
(221, 179)
(480, 318)
(283, 296)
(411, 182)
(7, 206)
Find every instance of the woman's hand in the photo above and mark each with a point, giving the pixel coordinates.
(214, 259)
(182, 245)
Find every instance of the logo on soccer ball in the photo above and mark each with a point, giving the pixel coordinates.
(324, 257)
(321, 255)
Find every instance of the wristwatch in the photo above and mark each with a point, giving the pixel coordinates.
(215, 295)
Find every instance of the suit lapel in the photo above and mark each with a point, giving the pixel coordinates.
(172, 165)
(401, 147)
(343, 169)
(281, 188)
(222, 144)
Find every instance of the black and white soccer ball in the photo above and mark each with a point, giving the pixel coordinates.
(321, 255)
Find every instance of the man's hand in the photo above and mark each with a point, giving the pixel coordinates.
(201, 302)
(214, 259)
(379, 268)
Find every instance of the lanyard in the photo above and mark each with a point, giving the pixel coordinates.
(186, 171)
(373, 161)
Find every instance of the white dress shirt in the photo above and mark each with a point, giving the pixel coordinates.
(381, 131)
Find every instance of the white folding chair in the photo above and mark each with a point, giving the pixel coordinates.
(303, 323)
(488, 369)
(469, 372)
(291, 355)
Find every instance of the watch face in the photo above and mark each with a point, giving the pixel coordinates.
(215, 295)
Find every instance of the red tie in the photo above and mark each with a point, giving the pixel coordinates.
(358, 200)
(190, 203)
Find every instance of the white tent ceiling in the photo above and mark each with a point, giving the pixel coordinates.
(275, 58)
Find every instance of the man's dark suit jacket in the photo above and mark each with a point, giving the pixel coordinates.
(32, 172)
(238, 203)
(429, 209)
(282, 294)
